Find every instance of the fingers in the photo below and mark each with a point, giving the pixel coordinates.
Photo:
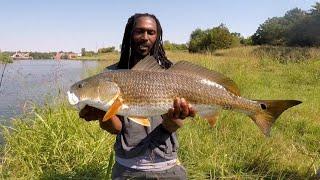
(170, 113)
(181, 109)
(90, 113)
(113, 125)
(176, 108)
(184, 107)
(192, 111)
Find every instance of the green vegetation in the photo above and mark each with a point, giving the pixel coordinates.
(212, 39)
(295, 28)
(42, 55)
(101, 56)
(56, 144)
(168, 46)
(107, 50)
(5, 58)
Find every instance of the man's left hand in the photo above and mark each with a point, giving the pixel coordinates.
(173, 120)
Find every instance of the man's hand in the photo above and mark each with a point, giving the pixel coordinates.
(90, 113)
(113, 125)
(173, 120)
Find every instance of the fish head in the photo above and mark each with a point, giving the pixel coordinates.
(97, 91)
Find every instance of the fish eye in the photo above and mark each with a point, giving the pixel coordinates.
(80, 85)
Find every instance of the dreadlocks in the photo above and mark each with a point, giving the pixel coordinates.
(157, 50)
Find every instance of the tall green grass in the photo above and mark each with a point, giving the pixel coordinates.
(55, 143)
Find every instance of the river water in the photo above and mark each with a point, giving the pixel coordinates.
(34, 81)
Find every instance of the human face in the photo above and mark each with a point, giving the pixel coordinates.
(144, 35)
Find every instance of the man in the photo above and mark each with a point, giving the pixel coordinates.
(144, 152)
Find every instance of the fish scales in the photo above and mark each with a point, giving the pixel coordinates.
(156, 88)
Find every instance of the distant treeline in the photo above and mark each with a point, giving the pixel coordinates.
(215, 38)
(42, 55)
(84, 52)
(167, 45)
(295, 28)
(34, 55)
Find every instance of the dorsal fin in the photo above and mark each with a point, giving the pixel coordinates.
(149, 63)
(184, 67)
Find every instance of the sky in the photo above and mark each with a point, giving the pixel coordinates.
(69, 25)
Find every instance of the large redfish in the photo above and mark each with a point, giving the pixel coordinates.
(148, 90)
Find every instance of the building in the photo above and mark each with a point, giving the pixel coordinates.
(21, 56)
(66, 55)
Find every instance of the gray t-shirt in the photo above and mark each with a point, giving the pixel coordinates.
(136, 140)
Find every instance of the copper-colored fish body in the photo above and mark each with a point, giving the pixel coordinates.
(150, 91)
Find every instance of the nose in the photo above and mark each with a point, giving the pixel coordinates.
(145, 35)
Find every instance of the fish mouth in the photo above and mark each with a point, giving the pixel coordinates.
(72, 98)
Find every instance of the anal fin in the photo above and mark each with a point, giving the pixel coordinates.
(212, 120)
(140, 120)
(211, 116)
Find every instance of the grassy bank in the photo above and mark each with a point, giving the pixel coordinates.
(55, 143)
(100, 56)
(5, 58)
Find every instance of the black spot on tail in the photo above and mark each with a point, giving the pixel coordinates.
(263, 106)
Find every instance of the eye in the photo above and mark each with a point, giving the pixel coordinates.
(80, 85)
(151, 32)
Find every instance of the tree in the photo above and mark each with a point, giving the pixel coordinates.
(315, 11)
(306, 31)
(106, 50)
(83, 51)
(5, 58)
(271, 32)
(212, 39)
(197, 41)
(295, 28)
(167, 45)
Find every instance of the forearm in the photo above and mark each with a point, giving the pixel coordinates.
(171, 125)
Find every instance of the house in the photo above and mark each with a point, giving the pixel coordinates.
(21, 56)
(65, 55)
(72, 55)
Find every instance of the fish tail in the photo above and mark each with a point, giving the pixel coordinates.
(270, 111)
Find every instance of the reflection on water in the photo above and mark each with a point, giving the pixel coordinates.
(33, 80)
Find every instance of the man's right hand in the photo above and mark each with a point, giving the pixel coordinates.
(113, 125)
(90, 113)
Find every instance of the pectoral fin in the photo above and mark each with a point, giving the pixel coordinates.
(113, 109)
(140, 120)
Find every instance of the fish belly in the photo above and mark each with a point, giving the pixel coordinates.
(144, 110)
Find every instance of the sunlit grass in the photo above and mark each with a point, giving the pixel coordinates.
(55, 143)
(101, 56)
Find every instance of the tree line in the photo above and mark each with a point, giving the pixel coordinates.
(295, 28)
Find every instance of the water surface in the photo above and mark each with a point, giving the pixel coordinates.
(35, 81)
